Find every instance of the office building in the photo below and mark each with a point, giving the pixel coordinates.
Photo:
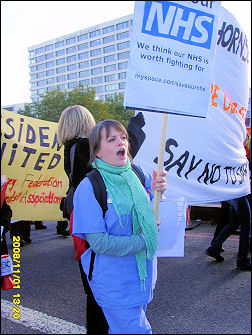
(15, 107)
(96, 56)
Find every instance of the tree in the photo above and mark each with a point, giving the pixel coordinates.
(53, 103)
(115, 106)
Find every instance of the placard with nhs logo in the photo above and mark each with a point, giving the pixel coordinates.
(172, 52)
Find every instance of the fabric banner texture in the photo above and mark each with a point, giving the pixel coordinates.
(32, 161)
(205, 158)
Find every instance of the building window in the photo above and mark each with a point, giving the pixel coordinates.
(98, 89)
(50, 80)
(50, 72)
(50, 88)
(72, 58)
(95, 33)
(50, 55)
(84, 64)
(61, 78)
(122, 25)
(72, 67)
(33, 92)
(84, 73)
(60, 52)
(109, 58)
(60, 61)
(82, 37)
(41, 82)
(40, 74)
(33, 76)
(108, 39)
(109, 48)
(123, 65)
(122, 75)
(62, 86)
(97, 80)
(125, 34)
(61, 69)
(71, 76)
(32, 68)
(111, 87)
(31, 53)
(83, 46)
(110, 77)
(41, 90)
(32, 61)
(49, 64)
(40, 58)
(40, 66)
(123, 55)
(39, 50)
(123, 45)
(109, 29)
(96, 70)
(95, 52)
(83, 55)
(84, 82)
(121, 86)
(59, 44)
(96, 61)
(70, 40)
(95, 43)
(33, 84)
(72, 84)
(71, 49)
(48, 47)
(109, 68)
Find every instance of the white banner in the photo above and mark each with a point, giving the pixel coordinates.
(171, 56)
(204, 157)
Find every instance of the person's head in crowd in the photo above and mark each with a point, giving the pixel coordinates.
(109, 142)
(75, 121)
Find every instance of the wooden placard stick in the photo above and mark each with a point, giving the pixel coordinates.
(157, 195)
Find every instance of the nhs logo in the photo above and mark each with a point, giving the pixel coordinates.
(171, 20)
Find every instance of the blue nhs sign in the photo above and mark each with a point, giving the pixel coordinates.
(172, 20)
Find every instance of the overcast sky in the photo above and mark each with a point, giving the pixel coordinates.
(26, 23)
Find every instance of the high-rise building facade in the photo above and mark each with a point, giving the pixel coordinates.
(96, 56)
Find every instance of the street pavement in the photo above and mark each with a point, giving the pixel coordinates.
(194, 294)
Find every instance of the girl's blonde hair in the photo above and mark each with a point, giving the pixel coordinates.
(75, 121)
(95, 136)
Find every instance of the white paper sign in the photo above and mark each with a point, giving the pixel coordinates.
(171, 56)
(172, 215)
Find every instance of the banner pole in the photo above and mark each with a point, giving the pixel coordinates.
(157, 195)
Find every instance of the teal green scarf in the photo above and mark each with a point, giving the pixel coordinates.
(128, 197)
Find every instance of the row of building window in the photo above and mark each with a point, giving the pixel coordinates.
(79, 38)
(73, 58)
(75, 75)
(72, 67)
(110, 87)
(83, 46)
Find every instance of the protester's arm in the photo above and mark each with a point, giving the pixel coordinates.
(103, 243)
(135, 133)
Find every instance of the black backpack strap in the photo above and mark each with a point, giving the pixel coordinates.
(139, 173)
(101, 196)
(99, 189)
